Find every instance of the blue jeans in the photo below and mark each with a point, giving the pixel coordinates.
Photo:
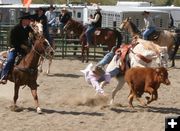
(147, 32)
(89, 33)
(9, 64)
(47, 35)
(114, 72)
(106, 59)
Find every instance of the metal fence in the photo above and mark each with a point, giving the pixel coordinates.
(65, 48)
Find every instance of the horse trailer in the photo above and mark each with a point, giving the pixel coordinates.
(112, 16)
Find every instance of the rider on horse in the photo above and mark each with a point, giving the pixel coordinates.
(95, 23)
(149, 25)
(63, 18)
(18, 42)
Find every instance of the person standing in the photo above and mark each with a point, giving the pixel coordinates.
(41, 17)
(51, 18)
(18, 43)
(149, 25)
(95, 23)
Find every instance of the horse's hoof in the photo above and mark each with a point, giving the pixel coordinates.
(39, 111)
(131, 107)
(16, 108)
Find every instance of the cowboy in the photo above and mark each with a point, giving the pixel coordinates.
(94, 76)
(63, 18)
(149, 25)
(95, 23)
(18, 43)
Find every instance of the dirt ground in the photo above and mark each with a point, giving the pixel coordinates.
(69, 104)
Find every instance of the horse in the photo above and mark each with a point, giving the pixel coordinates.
(105, 36)
(26, 71)
(166, 38)
(49, 57)
(141, 53)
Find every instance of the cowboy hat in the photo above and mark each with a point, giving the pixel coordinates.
(40, 9)
(98, 70)
(64, 9)
(25, 15)
(145, 12)
(97, 8)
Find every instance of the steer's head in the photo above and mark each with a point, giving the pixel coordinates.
(162, 75)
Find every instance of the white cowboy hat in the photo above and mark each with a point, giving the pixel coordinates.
(97, 8)
(64, 8)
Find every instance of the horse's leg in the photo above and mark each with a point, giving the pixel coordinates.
(41, 61)
(172, 57)
(117, 88)
(87, 55)
(35, 96)
(49, 65)
(16, 95)
(82, 53)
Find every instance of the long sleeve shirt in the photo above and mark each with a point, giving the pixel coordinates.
(94, 79)
(51, 17)
(149, 22)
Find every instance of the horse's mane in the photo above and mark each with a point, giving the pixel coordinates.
(134, 28)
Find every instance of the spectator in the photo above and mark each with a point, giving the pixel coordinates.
(51, 18)
(41, 17)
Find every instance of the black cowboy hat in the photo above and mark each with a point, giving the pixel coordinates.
(25, 15)
(51, 7)
(145, 12)
(40, 9)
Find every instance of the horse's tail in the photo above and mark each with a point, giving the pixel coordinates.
(119, 38)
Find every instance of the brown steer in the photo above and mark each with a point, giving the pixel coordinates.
(144, 79)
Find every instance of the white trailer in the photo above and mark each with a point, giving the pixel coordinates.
(112, 16)
(173, 10)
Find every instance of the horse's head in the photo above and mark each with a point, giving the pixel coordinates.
(42, 46)
(70, 25)
(125, 23)
(129, 26)
(37, 27)
(74, 26)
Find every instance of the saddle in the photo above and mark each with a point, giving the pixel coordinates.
(154, 35)
(124, 49)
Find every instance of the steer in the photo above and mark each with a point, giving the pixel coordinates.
(145, 79)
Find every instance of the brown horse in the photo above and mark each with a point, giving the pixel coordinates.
(166, 38)
(105, 37)
(26, 72)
